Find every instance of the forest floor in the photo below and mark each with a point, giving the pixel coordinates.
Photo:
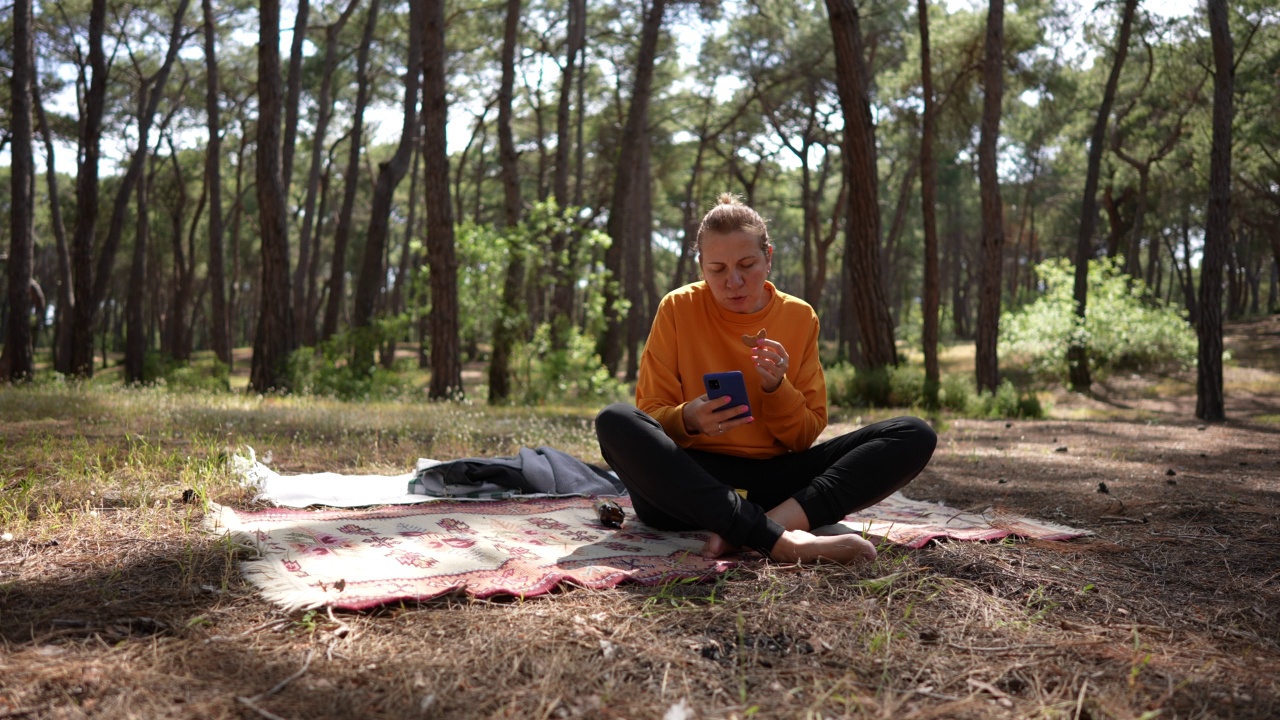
(113, 603)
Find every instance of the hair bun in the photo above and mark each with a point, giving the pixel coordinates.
(728, 198)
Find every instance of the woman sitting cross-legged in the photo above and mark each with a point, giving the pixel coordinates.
(757, 480)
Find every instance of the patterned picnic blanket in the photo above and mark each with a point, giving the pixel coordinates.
(358, 559)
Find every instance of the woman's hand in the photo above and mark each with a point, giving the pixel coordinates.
(772, 362)
(713, 417)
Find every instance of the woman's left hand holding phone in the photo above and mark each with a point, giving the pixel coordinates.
(713, 417)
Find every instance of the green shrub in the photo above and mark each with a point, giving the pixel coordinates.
(957, 393)
(186, 377)
(849, 387)
(1124, 329)
(904, 386)
(879, 387)
(1008, 402)
(573, 376)
(325, 371)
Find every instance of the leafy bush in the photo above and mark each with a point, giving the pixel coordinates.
(904, 386)
(574, 375)
(1124, 329)
(1007, 402)
(325, 371)
(956, 393)
(211, 378)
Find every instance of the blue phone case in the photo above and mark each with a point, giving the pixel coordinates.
(719, 384)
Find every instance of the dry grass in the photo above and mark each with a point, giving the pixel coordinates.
(113, 604)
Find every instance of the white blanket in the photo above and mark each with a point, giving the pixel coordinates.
(327, 488)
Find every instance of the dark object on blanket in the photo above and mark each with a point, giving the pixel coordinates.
(542, 470)
(610, 513)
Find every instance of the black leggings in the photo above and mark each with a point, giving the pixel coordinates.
(676, 489)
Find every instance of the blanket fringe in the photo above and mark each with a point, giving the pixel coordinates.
(266, 575)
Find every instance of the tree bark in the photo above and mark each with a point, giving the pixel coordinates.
(82, 241)
(303, 275)
(446, 365)
(1210, 400)
(1077, 353)
(293, 93)
(623, 222)
(867, 298)
(149, 101)
(929, 213)
(638, 271)
(66, 291)
(563, 267)
(408, 260)
(390, 173)
(220, 328)
(19, 355)
(184, 266)
(351, 182)
(504, 330)
(274, 337)
(135, 322)
(986, 363)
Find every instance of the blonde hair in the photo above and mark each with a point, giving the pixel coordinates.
(730, 215)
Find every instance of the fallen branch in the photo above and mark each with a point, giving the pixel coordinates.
(19, 712)
(252, 702)
(264, 713)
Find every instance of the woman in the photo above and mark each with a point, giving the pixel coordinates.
(693, 463)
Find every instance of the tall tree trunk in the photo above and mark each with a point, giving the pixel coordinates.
(390, 173)
(580, 147)
(90, 151)
(351, 178)
(408, 261)
(686, 263)
(1210, 400)
(220, 330)
(66, 291)
(929, 213)
(135, 322)
(1077, 353)
(563, 269)
(446, 359)
(862, 266)
(504, 330)
(149, 100)
(986, 363)
(638, 270)
(18, 351)
(312, 222)
(623, 223)
(293, 93)
(823, 242)
(174, 326)
(274, 337)
(237, 224)
(184, 264)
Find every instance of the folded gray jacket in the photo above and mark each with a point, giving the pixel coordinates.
(544, 471)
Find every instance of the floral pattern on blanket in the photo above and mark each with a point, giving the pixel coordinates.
(362, 558)
(523, 547)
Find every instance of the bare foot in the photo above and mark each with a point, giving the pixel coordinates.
(799, 546)
(716, 546)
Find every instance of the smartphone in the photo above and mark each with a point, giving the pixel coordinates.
(720, 384)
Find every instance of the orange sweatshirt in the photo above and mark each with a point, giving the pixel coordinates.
(692, 335)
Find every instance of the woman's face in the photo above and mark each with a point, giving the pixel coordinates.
(735, 269)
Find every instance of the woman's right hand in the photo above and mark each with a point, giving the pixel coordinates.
(713, 417)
